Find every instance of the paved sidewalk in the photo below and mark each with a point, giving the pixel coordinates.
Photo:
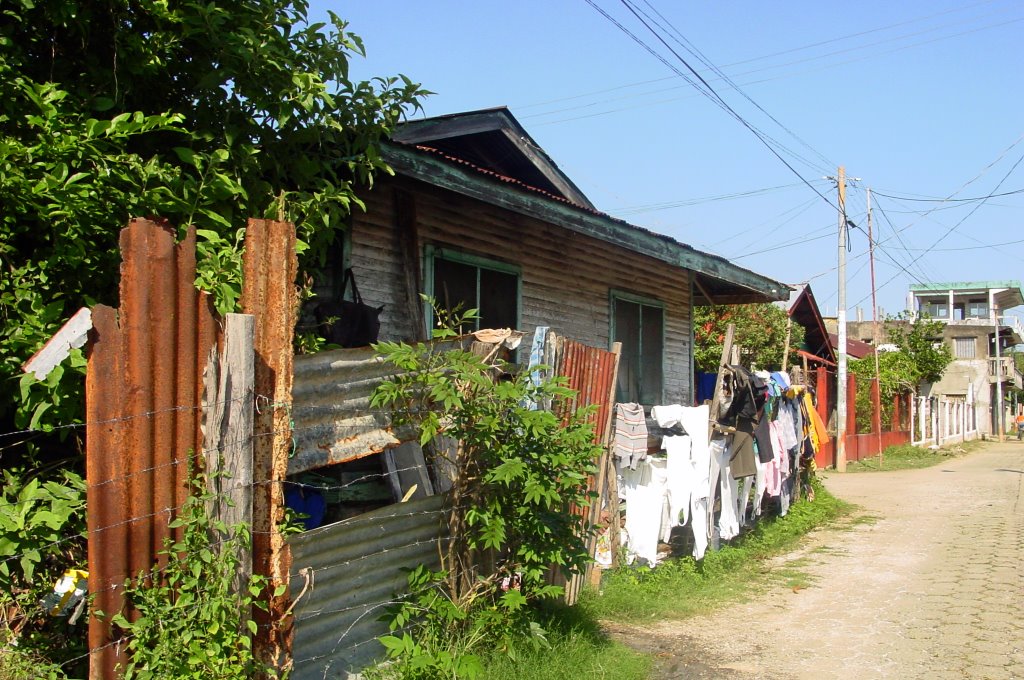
(931, 587)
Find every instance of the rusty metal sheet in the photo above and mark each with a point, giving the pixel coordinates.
(143, 395)
(333, 421)
(270, 267)
(331, 409)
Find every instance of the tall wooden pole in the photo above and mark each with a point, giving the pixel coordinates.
(874, 325)
(841, 350)
(999, 379)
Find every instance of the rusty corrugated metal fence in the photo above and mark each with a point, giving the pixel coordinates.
(143, 390)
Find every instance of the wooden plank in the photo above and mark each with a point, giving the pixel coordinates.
(228, 431)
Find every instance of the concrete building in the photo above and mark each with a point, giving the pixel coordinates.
(971, 312)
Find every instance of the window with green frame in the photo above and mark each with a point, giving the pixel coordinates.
(489, 286)
(639, 324)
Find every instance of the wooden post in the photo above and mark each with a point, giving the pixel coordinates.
(716, 400)
(604, 472)
(785, 348)
(228, 412)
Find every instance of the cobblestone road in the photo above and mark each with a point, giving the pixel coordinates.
(931, 586)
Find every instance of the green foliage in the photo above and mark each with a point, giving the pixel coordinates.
(192, 621)
(18, 663)
(908, 457)
(921, 339)
(898, 376)
(433, 636)
(578, 648)
(921, 357)
(203, 113)
(760, 333)
(42, 534)
(520, 472)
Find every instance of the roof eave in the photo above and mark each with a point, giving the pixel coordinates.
(465, 180)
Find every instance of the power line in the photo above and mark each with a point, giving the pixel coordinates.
(951, 200)
(962, 220)
(755, 59)
(709, 92)
(686, 44)
(649, 207)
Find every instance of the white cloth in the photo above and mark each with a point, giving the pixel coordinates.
(728, 524)
(741, 501)
(699, 524)
(667, 415)
(646, 499)
(760, 479)
(694, 420)
(680, 478)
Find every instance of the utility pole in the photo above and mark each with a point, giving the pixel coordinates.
(874, 328)
(999, 379)
(841, 350)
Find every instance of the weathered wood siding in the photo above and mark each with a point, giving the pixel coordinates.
(566, 277)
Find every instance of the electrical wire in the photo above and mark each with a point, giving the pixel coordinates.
(707, 90)
(650, 207)
(950, 200)
(686, 44)
(949, 231)
(521, 107)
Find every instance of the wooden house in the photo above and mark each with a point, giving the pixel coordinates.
(477, 213)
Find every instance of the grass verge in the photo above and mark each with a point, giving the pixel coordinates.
(679, 587)
(682, 587)
(578, 649)
(907, 457)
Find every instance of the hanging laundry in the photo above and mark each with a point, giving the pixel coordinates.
(646, 497)
(681, 478)
(748, 395)
(760, 479)
(742, 454)
(728, 524)
(743, 500)
(630, 434)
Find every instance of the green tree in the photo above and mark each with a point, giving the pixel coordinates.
(920, 338)
(760, 332)
(204, 113)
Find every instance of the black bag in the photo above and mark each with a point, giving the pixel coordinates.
(349, 324)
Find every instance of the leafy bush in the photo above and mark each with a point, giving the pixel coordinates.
(521, 480)
(190, 619)
(42, 534)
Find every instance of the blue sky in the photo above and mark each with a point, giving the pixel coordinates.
(917, 99)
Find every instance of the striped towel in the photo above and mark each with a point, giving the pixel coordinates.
(630, 434)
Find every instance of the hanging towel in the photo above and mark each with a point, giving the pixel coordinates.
(630, 434)
(681, 477)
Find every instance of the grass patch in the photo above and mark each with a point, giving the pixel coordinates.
(907, 457)
(682, 587)
(579, 649)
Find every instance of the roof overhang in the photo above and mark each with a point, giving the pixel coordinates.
(1006, 294)
(493, 139)
(717, 281)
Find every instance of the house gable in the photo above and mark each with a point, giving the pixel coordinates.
(492, 139)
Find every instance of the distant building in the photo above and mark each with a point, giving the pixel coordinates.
(969, 311)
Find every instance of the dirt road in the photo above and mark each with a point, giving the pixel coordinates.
(930, 584)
